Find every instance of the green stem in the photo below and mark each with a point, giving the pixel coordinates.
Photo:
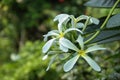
(86, 23)
(103, 25)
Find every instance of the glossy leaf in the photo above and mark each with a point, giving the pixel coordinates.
(101, 3)
(114, 21)
(106, 35)
(115, 38)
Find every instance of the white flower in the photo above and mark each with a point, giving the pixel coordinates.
(80, 52)
(58, 35)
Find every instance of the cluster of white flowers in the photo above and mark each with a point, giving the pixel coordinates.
(65, 39)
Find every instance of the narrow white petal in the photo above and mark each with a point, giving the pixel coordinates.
(80, 41)
(68, 44)
(70, 63)
(61, 18)
(92, 63)
(51, 33)
(73, 21)
(47, 46)
(94, 20)
(64, 49)
(94, 48)
(71, 29)
(45, 57)
(51, 61)
(82, 17)
(80, 25)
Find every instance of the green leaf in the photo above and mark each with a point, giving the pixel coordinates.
(70, 63)
(80, 41)
(114, 21)
(101, 3)
(106, 34)
(115, 38)
(47, 46)
(68, 44)
(92, 63)
(94, 48)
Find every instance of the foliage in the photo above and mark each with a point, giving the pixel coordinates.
(23, 24)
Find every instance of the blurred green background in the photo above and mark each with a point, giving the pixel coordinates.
(22, 26)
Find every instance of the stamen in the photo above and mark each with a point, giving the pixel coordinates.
(81, 52)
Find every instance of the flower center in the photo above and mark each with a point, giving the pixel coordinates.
(61, 35)
(81, 52)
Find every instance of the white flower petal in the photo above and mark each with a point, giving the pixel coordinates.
(94, 20)
(14, 57)
(68, 44)
(82, 17)
(80, 25)
(80, 41)
(61, 18)
(51, 33)
(51, 61)
(94, 48)
(70, 63)
(64, 49)
(71, 29)
(63, 56)
(92, 63)
(47, 46)
(45, 57)
(73, 22)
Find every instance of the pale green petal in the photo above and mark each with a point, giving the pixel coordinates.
(70, 63)
(92, 63)
(94, 48)
(82, 17)
(47, 46)
(61, 18)
(94, 20)
(73, 22)
(72, 29)
(51, 61)
(68, 44)
(80, 25)
(51, 33)
(80, 41)
(45, 57)
(64, 49)
(64, 56)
